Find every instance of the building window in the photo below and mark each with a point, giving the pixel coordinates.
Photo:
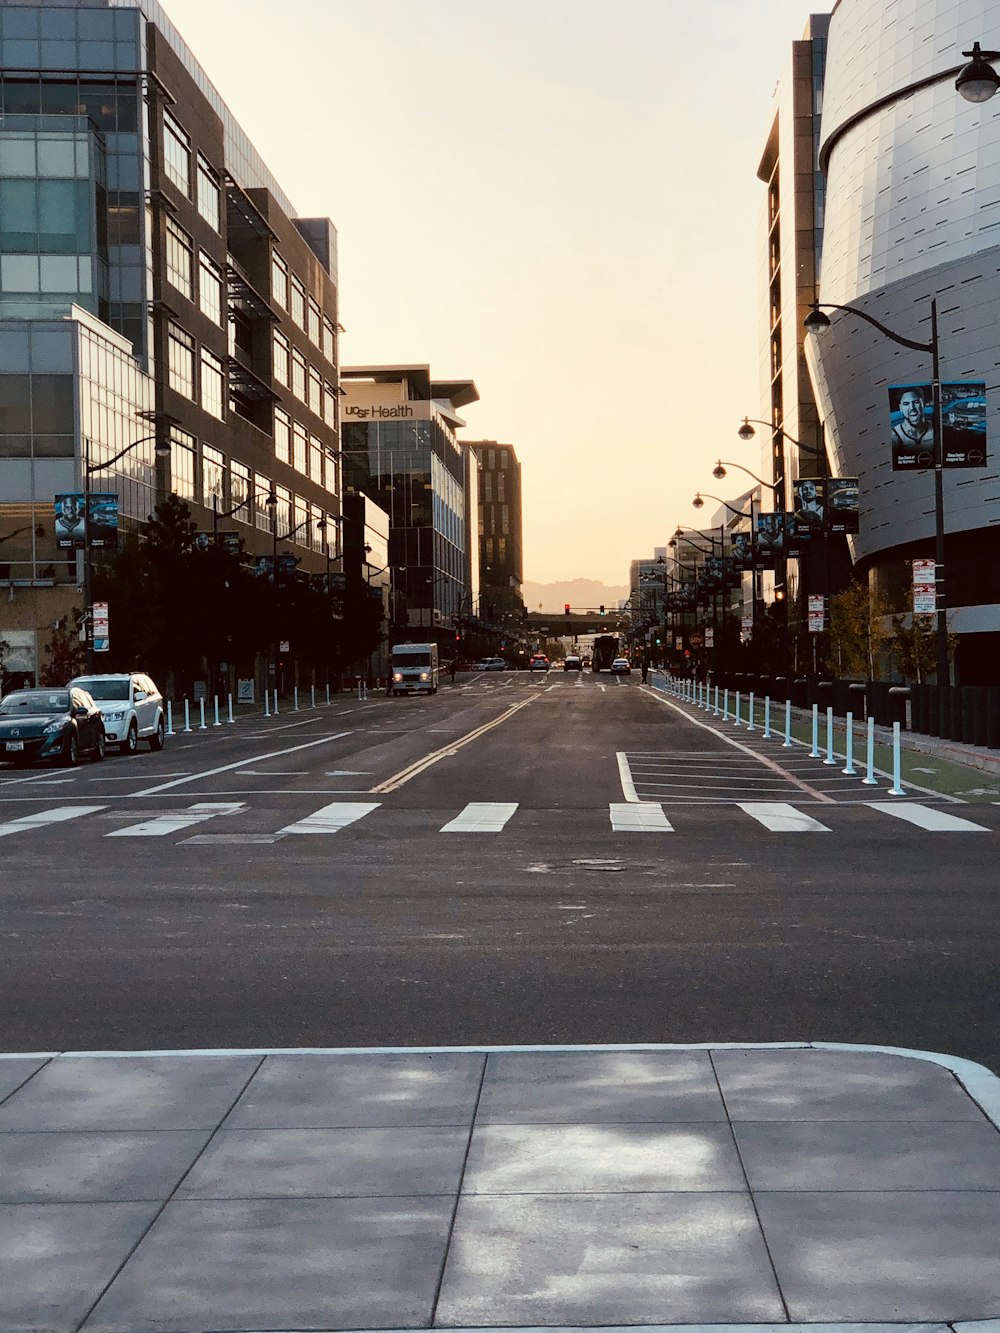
(279, 280)
(491, 459)
(315, 392)
(283, 513)
(298, 375)
(280, 358)
(487, 486)
(505, 519)
(331, 472)
(298, 303)
(301, 448)
(329, 340)
(501, 486)
(316, 459)
(182, 463)
(315, 325)
(213, 384)
(176, 154)
(239, 490)
(262, 489)
(180, 259)
(213, 477)
(180, 360)
(282, 436)
(210, 288)
(330, 405)
(208, 194)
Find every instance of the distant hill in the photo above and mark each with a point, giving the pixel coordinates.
(582, 595)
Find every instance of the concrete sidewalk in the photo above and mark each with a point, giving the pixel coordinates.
(182, 1192)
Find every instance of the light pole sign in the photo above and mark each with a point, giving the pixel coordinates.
(924, 588)
(817, 613)
(99, 627)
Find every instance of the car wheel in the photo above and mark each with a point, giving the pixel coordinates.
(71, 750)
(101, 748)
(131, 742)
(156, 740)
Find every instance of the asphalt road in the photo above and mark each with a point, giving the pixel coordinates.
(213, 895)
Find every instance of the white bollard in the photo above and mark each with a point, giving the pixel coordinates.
(295, 698)
(869, 781)
(229, 700)
(170, 718)
(328, 694)
(275, 710)
(716, 712)
(216, 723)
(787, 742)
(750, 721)
(896, 788)
(829, 760)
(187, 716)
(312, 696)
(737, 721)
(267, 703)
(201, 714)
(849, 770)
(814, 752)
(725, 706)
(767, 717)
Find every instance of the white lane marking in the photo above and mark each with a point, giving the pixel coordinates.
(241, 763)
(936, 821)
(781, 818)
(330, 818)
(644, 818)
(625, 773)
(413, 770)
(43, 817)
(164, 824)
(482, 817)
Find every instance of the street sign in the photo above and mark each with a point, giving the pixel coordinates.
(99, 627)
(710, 637)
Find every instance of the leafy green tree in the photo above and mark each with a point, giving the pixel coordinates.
(857, 630)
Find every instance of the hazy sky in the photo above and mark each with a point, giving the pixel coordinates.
(554, 198)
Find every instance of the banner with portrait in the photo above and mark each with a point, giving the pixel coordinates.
(770, 540)
(809, 508)
(842, 504)
(102, 520)
(741, 545)
(70, 521)
(911, 425)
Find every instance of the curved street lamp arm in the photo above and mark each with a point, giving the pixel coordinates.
(875, 323)
(774, 428)
(704, 495)
(103, 466)
(759, 480)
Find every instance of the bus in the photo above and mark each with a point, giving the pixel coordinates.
(604, 652)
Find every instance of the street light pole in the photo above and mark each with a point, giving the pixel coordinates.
(816, 322)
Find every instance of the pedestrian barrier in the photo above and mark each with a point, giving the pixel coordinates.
(187, 716)
(750, 719)
(814, 752)
(170, 719)
(216, 723)
(829, 760)
(201, 714)
(295, 698)
(230, 718)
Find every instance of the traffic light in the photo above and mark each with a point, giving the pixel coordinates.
(602, 608)
(566, 608)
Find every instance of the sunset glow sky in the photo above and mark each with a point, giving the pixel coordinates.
(554, 198)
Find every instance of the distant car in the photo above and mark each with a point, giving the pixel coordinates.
(572, 664)
(621, 667)
(59, 725)
(132, 708)
(539, 662)
(585, 662)
(490, 664)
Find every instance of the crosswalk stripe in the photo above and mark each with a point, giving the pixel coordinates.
(924, 817)
(43, 817)
(482, 817)
(164, 824)
(780, 817)
(330, 818)
(639, 818)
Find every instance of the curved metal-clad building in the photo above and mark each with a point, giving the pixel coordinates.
(912, 214)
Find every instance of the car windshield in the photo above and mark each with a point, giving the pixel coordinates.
(105, 689)
(35, 701)
(411, 659)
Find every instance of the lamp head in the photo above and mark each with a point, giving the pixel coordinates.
(978, 81)
(816, 321)
(162, 447)
(271, 503)
(746, 431)
(672, 543)
(718, 472)
(698, 502)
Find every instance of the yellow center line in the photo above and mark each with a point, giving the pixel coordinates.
(414, 769)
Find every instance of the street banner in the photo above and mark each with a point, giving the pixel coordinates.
(798, 539)
(287, 562)
(924, 587)
(842, 504)
(742, 551)
(911, 425)
(99, 627)
(770, 539)
(817, 613)
(809, 507)
(244, 691)
(231, 543)
(714, 572)
(102, 520)
(71, 521)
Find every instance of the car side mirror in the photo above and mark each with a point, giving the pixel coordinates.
(81, 711)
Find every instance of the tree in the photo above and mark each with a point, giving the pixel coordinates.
(67, 656)
(857, 629)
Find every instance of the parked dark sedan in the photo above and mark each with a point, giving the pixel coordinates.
(61, 725)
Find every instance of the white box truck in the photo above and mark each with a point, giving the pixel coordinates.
(413, 667)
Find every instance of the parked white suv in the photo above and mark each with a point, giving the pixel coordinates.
(132, 707)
